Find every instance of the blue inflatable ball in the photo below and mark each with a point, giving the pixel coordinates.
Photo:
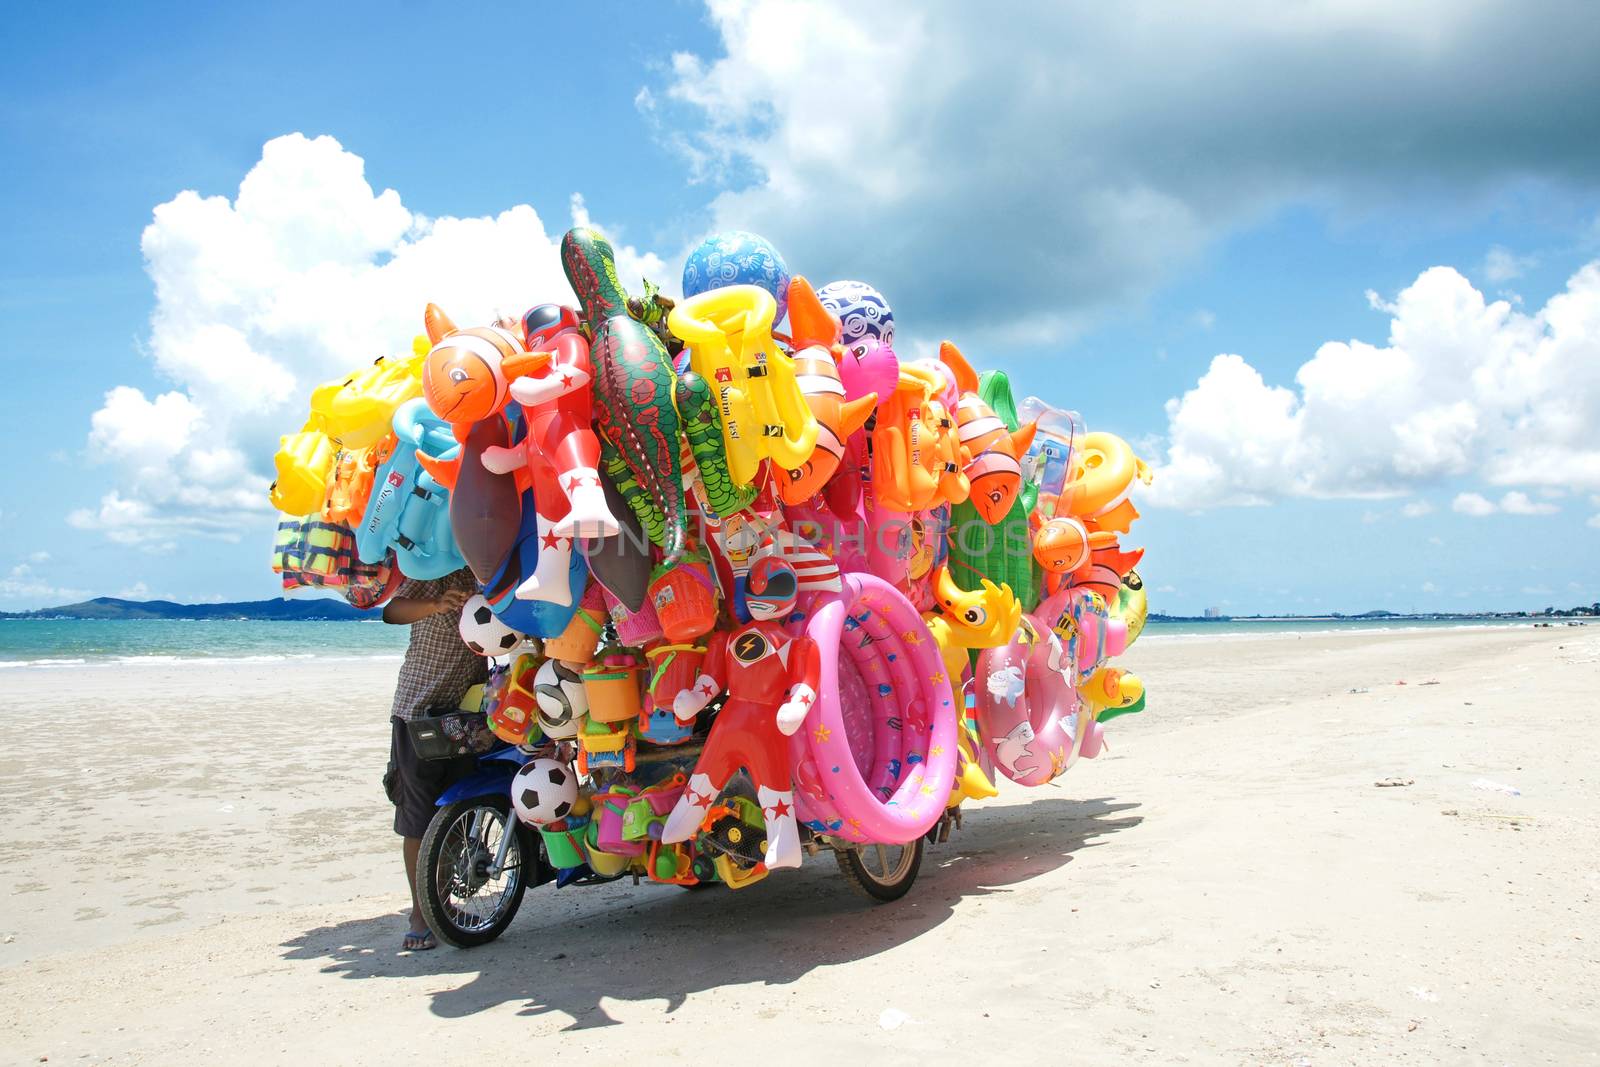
(861, 310)
(737, 258)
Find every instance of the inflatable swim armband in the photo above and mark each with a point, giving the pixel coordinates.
(408, 511)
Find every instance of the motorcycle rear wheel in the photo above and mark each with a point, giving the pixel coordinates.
(883, 872)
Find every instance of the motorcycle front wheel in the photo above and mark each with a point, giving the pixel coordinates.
(465, 905)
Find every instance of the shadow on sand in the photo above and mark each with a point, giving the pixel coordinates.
(569, 948)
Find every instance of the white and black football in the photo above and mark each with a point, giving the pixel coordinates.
(544, 791)
(558, 692)
(483, 631)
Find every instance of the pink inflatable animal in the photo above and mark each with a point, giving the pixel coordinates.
(1031, 722)
(866, 368)
(1084, 624)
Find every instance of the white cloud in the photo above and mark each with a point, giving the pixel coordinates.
(1502, 265)
(1429, 587)
(22, 583)
(1416, 509)
(1083, 152)
(1594, 522)
(39, 557)
(1472, 504)
(304, 275)
(1516, 503)
(1464, 387)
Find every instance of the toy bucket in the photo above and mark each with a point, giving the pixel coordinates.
(603, 861)
(673, 668)
(634, 628)
(685, 600)
(609, 822)
(577, 642)
(612, 685)
(565, 847)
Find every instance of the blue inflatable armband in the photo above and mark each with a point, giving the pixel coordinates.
(408, 511)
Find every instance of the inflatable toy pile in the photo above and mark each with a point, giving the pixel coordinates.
(738, 530)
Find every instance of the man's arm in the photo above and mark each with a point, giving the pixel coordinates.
(405, 610)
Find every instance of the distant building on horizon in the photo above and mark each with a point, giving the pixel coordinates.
(1213, 613)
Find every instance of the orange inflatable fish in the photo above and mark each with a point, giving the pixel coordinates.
(995, 468)
(816, 342)
(468, 373)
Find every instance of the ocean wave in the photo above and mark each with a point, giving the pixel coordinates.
(165, 660)
(41, 662)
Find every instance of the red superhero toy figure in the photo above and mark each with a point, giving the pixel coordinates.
(559, 449)
(771, 678)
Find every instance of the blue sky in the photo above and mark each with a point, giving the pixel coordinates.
(1099, 203)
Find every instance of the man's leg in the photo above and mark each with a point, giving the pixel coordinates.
(410, 847)
(415, 790)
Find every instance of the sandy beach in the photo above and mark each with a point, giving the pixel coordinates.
(198, 867)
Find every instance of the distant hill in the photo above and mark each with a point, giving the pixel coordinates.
(105, 607)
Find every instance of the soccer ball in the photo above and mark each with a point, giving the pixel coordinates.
(543, 791)
(483, 631)
(562, 702)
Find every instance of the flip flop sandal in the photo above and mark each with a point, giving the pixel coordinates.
(418, 941)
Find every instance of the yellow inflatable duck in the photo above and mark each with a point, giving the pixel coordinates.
(1111, 688)
(764, 413)
(962, 619)
(1103, 472)
(1131, 605)
(970, 781)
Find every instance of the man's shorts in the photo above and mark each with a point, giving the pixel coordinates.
(415, 785)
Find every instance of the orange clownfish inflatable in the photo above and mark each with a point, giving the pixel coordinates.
(816, 343)
(468, 373)
(917, 457)
(1076, 557)
(995, 469)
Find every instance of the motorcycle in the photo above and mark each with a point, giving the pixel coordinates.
(478, 859)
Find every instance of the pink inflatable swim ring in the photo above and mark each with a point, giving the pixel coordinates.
(1031, 723)
(876, 757)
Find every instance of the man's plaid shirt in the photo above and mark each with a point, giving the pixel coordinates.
(439, 668)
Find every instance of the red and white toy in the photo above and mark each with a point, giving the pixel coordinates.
(771, 678)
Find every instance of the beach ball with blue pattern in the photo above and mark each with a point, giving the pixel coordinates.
(737, 258)
(861, 310)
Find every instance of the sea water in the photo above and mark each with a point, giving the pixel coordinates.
(1237, 628)
(44, 644)
(47, 643)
